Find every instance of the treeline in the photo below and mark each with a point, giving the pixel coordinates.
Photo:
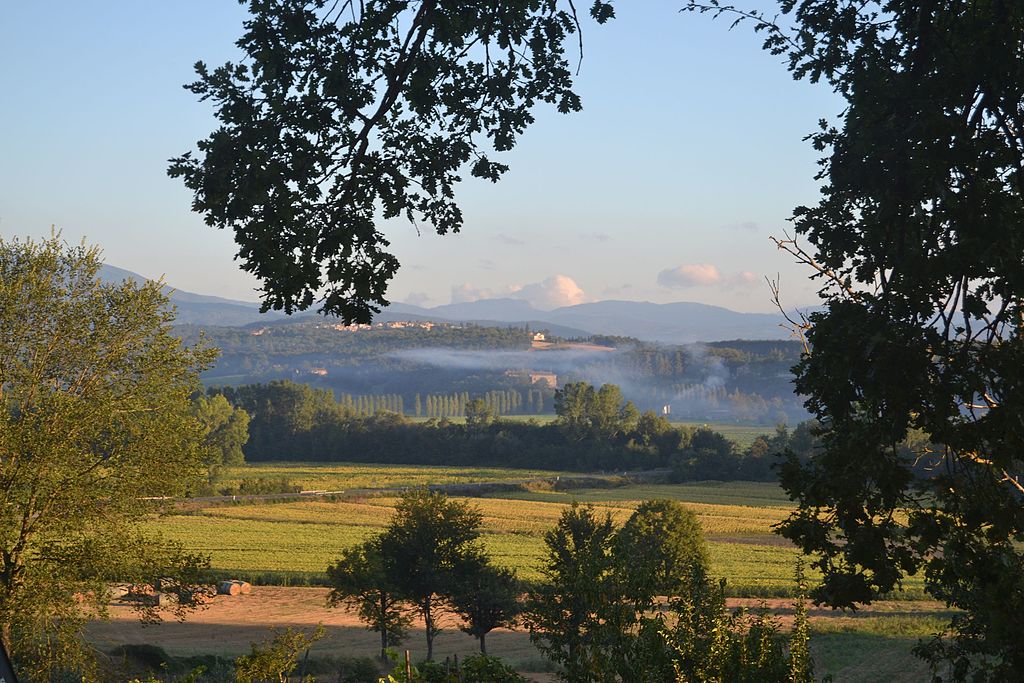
(503, 402)
(596, 430)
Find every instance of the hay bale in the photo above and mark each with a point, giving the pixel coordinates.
(244, 587)
(228, 588)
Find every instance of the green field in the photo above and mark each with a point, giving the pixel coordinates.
(338, 476)
(296, 540)
(743, 435)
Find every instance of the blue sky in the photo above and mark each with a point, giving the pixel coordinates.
(687, 156)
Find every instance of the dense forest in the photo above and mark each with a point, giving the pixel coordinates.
(432, 370)
(596, 429)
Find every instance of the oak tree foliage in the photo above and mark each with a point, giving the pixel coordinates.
(918, 245)
(344, 114)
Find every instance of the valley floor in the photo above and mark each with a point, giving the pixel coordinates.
(873, 645)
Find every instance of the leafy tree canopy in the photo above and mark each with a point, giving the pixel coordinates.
(346, 113)
(226, 429)
(428, 542)
(917, 244)
(95, 418)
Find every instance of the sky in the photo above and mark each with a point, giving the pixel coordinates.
(687, 156)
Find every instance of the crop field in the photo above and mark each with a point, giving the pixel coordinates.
(337, 476)
(291, 543)
(295, 541)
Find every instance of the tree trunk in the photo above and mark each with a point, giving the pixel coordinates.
(483, 644)
(428, 621)
(383, 629)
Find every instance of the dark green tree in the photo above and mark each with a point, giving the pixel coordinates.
(226, 428)
(657, 550)
(572, 405)
(566, 611)
(916, 243)
(486, 597)
(342, 114)
(428, 541)
(362, 578)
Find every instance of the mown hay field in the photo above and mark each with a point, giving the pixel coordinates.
(294, 541)
(338, 476)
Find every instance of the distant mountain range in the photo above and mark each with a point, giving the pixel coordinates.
(676, 323)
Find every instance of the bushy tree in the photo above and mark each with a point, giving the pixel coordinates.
(428, 541)
(486, 597)
(657, 549)
(566, 611)
(275, 661)
(226, 429)
(478, 414)
(595, 414)
(95, 422)
(599, 611)
(363, 578)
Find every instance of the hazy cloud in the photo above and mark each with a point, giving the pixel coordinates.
(509, 240)
(749, 226)
(706, 274)
(417, 298)
(690, 275)
(595, 236)
(745, 278)
(622, 290)
(466, 292)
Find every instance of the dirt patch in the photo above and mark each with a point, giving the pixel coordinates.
(229, 624)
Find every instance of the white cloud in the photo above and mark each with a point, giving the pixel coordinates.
(690, 275)
(553, 292)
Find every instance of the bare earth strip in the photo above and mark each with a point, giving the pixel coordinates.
(229, 624)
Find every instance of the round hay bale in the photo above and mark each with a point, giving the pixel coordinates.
(228, 588)
(244, 587)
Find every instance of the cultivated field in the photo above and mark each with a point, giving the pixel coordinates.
(292, 542)
(345, 476)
